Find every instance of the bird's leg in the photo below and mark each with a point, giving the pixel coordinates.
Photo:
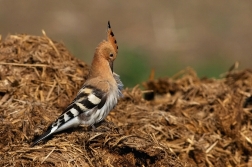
(106, 123)
(102, 126)
(93, 128)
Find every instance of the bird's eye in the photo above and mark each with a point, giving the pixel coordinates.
(111, 55)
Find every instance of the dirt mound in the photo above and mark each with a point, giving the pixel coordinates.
(186, 121)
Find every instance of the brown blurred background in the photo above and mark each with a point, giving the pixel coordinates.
(165, 35)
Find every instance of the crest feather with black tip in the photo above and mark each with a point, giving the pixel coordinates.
(111, 38)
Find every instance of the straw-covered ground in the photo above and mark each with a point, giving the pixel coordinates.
(185, 121)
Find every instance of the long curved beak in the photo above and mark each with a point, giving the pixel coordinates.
(111, 66)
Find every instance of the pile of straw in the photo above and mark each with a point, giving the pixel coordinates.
(188, 122)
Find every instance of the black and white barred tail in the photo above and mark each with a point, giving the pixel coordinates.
(87, 99)
(89, 107)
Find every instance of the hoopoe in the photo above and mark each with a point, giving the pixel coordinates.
(98, 95)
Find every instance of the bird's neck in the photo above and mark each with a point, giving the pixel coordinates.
(100, 67)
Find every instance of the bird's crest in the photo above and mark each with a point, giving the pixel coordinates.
(111, 38)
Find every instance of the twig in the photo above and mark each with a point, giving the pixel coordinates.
(51, 43)
(25, 65)
(50, 91)
(122, 138)
(211, 147)
(48, 155)
(91, 138)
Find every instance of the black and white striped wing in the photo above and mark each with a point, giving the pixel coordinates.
(88, 98)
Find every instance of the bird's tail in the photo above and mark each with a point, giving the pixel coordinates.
(65, 121)
(47, 134)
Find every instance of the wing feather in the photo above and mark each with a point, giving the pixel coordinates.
(88, 98)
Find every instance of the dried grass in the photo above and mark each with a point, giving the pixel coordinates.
(190, 121)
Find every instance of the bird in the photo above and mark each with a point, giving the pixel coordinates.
(98, 95)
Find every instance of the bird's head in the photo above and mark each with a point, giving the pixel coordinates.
(108, 49)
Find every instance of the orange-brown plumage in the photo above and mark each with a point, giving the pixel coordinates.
(102, 64)
(99, 94)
